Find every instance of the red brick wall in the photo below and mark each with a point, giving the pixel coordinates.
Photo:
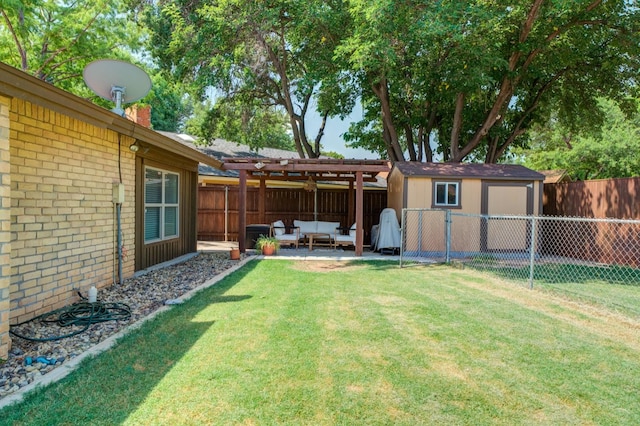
(140, 114)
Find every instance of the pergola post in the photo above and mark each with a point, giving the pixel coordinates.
(359, 214)
(242, 211)
(351, 210)
(262, 195)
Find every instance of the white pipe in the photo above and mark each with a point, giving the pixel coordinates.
(119, 239)
(315, 204)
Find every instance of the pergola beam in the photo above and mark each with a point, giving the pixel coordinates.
(300, 165)
(297, 178)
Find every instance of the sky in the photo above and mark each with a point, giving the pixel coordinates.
(332, 139)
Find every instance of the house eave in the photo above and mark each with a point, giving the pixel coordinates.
(18, 84)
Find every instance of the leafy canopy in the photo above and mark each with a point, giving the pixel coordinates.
(610, 151)
(54, 40)
(275, 54)
(243, 123)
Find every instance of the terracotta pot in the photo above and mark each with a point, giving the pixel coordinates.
(268, 250)
(234, 254)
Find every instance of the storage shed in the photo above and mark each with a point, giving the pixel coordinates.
(478, 189)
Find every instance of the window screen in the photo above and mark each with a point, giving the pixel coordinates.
(161, 207)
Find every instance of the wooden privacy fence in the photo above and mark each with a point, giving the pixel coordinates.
(605, 198)
(218, 209)
(592, 240)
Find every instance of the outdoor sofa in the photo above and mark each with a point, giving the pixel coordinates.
(324, 231)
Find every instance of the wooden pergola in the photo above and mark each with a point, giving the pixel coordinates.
(309, 170)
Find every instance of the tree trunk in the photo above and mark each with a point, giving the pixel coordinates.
(393, 146)
(296, 136)
(457, 126)
(426, 136)
(303, 147)
(408, 134)
(320, 133)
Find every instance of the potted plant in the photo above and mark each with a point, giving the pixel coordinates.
(267, 245)
(234, 254)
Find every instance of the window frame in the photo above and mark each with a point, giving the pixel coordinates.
(163, 205)
(453, 182)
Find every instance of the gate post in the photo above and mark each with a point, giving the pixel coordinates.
(447, 236)
(532, 248)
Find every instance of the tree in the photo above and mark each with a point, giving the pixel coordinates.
(333, 154)
(278, 53)
(240, 122)
(55, 40)
(170, 106)
(610, 151)
(474, 76)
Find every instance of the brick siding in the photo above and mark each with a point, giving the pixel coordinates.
(63, 222)
(5, 228)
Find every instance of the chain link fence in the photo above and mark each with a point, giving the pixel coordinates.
(580, 257)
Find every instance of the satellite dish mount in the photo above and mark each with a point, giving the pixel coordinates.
(117, 95)
(117, 81)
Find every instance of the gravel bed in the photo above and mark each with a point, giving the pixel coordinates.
(143, 294)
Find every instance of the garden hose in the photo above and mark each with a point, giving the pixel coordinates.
(81, 314)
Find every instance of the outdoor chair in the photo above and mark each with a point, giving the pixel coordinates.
(341, 239)
(279, 231)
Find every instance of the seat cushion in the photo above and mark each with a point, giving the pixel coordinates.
(346, 239)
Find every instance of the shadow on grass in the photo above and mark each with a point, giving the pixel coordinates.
(108, 388)
(382, 265)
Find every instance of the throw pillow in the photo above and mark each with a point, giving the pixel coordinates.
(278, 227)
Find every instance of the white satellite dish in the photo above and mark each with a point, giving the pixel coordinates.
(117, 81)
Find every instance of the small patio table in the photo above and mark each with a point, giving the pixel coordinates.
(313, 235)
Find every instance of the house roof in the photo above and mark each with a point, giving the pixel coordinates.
(18, 84)
(555, 176)
(221, 148)
(461, 170)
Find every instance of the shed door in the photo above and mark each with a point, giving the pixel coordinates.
(506, 198)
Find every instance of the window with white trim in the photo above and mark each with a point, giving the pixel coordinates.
(446, 194)
(161, 197)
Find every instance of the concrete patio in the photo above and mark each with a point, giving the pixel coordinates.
(302, 253)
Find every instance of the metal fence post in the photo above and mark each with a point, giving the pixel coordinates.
(419, 245)
(447, 234)
(532, 248)
(403, 226)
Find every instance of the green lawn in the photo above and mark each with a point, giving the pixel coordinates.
(616, 288)
(284, 342)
